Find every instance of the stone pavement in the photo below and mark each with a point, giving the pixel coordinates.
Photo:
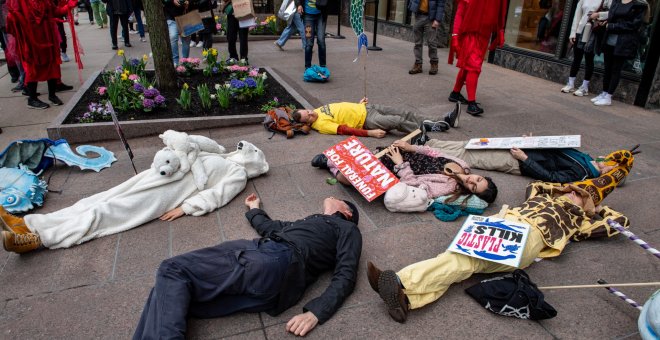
(97, 290)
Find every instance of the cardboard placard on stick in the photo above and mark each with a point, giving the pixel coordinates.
(365, 172)
(405, 139)
(121, 135)
(531, 142)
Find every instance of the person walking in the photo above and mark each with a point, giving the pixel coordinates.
(100, 16)
(137, 14)
(119, 11)
(295, 23)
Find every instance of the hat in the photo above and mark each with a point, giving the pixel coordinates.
(355, 218)
(405, 198)
(512, 295)
(598, 188)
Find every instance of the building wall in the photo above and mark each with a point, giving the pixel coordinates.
(653, 101)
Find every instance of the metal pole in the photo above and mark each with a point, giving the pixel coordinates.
(373, 47)
(339, 36)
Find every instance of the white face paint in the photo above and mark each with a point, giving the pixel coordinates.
(250, 157)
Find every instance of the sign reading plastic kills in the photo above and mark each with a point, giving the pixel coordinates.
(365, 172)
(491, 239)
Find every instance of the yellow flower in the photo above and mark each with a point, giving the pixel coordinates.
(216, 18)
(124, 76)
(127, 72)
(185, 86)
(214, 52)
(205, 53)
(120, 53)
(145, 58)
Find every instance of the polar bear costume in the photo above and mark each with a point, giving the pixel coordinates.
(148, 195)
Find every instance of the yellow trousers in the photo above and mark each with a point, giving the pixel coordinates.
(427, 280)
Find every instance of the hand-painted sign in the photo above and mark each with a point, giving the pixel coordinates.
(535, 142)
(491, 239)
(365, 172)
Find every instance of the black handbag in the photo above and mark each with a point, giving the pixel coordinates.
(512, 295)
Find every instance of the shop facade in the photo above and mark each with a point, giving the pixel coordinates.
(537, 43)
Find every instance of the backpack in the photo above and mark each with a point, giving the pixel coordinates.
(280, 120)
(316, 74)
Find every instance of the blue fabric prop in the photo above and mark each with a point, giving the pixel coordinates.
(316, 74)
(448, 213)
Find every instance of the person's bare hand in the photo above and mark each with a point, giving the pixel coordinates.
(403, 145)
(172, 214)
(364, 100)
(573, 40)
(518, 154)
(302, 324)
(177, 3)
(593, 16)
(395, 155)
(378, 133)
(435, 24)
(252, 201)
(300, 9)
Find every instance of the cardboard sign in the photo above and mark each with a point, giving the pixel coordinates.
(243, 8)
(535, 142)
(491, 239)
(365, 172)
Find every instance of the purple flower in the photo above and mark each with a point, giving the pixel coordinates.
(237, 84)
(250, 82)
(138, 87)
(86, 115)
(214, 69)
(148, 103)
(160, 100)
(151, 93)
(135, 62)
(276, 99)
(119, 69)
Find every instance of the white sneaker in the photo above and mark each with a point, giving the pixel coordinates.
(64, 57)
(581, 92)
(596, 98)
(568, 89)
(604, 101)
(200, 44)
(192, 44)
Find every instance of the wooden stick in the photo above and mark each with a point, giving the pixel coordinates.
(503, 211)
(637, 284)
(405, 139)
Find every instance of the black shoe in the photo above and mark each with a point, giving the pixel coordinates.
(452, 117)
(55, 100)
(18, 88)
(114, 47)
(421, 138)
(14, 80)
(457, 97)
(37, 104)
(474, 109)
(436, 126)
(25, 92)
(128, 45)
(320, 161)
(61, 87)
(395, 299)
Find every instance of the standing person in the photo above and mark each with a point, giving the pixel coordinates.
(234, 30)
(173, 9)
(4, 42)
(63, 45)
(476, 23)
(580, 35)
(268, 274)
(137, 13)
(315, 18)
(208, 19)
(625, 20)
(295, 24)
(90, 11)
(32, 24)
(428, 15)
(118, 11)
(100, 16)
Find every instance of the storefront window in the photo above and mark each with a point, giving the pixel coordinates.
(388, 10)
(534, 24)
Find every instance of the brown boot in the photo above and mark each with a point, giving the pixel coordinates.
(373, 274)
(20, 243)
(434, 68)
(417, 68)
(392, 294)
(12, 223)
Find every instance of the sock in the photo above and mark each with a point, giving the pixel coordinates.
(585, 84)
(460, 80)
(571, 81)
(471, 81)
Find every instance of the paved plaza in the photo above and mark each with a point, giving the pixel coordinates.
(97, 290)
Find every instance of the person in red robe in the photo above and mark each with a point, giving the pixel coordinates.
(33, 24)
(476, 24)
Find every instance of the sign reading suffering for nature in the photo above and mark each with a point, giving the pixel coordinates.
(365, 172)
(491, 239)
(532, 142)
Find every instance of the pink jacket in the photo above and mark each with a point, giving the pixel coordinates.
(434, 184)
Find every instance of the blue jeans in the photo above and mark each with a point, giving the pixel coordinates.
(138, 20)
(295, 25)
(174, 42)
(314, 26)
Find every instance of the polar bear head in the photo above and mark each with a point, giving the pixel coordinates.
(166, 162)
(250, 157)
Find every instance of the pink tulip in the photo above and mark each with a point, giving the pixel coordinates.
(102, 90)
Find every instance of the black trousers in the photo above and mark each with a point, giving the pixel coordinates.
(233, 276)
(60, 28)
(234, 30)
(613, 67)
(114, 20)
(578, 54)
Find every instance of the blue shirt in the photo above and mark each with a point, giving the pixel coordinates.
(310, 7)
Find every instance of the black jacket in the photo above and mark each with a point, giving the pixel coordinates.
(321, 243)
(553, 165)
(628, 27)
(172, 11)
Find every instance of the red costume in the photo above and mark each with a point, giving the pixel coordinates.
(476, 22)
(33, 25)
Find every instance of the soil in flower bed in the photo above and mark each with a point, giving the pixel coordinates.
(174, 110)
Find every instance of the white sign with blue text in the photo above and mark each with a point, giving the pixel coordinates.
(491, 239)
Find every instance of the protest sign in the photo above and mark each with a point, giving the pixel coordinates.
(535, 142)
(120, 132)
(365, 172)
(491, 239)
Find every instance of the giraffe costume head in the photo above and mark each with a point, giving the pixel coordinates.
(598, 188)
